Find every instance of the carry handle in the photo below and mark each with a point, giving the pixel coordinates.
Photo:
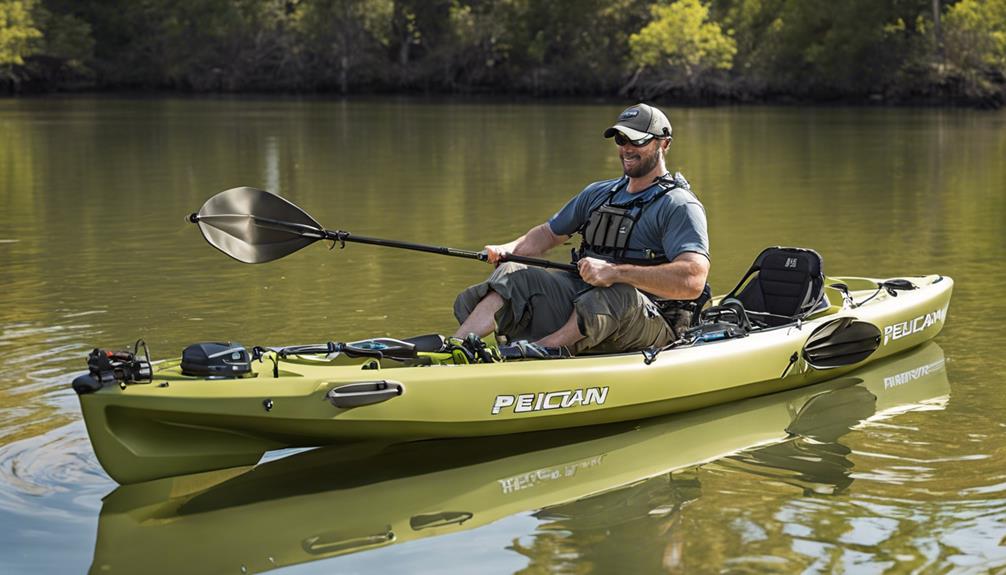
(364, 393)
(327, 544)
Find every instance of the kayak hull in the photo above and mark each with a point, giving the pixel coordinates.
(178, 424)
(403, 493)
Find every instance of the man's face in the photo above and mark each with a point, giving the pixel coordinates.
(637, 161)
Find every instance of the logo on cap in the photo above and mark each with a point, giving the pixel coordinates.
(629, 114)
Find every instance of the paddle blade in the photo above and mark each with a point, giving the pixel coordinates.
(254, 226)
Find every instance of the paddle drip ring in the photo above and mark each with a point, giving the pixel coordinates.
(339, 236)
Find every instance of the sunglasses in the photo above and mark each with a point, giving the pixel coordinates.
(621, 139)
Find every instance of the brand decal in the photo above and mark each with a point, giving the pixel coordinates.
(790, 263)
(912, 374)
(629, 114)
(543, 401)
(539, 476)
(905, 328)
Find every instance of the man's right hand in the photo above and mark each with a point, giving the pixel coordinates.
(535, 242)
(494, 253)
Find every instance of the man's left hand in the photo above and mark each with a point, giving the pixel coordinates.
(598, 272)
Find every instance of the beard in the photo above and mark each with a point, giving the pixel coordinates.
(646, 162)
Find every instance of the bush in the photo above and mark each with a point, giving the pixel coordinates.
(680, 47)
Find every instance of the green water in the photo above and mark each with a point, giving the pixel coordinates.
(94, 251)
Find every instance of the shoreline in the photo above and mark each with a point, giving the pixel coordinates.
(873, 101)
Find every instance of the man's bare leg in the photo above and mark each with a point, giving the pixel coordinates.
(482, 320)
(565, 336)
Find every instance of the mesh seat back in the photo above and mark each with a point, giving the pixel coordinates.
(784, 282)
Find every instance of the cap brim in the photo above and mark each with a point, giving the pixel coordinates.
(629, 133)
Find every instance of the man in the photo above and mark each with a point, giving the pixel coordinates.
(644, 256)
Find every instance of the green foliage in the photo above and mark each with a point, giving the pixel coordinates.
(744, 49)
(19, 35)
(820, 49)
(681, 42)
(976, 35)
(67, 38)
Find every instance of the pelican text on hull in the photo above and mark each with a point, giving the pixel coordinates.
(901, 329)
(527, 402)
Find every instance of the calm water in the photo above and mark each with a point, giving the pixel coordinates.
(908, 475)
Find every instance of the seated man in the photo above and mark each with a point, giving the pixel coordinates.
(645, 250)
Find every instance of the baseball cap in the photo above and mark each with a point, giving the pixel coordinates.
(641, 121)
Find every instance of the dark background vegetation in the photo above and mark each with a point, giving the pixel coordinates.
(893, 51)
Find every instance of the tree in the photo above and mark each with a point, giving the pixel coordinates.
(19, 36)
(975, 43)
(681, 46)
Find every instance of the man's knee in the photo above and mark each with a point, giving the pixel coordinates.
(618, 318)
(465, 302)
(509, 268)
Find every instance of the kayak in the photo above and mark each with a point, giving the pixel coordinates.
(363, 497)
(157, 420)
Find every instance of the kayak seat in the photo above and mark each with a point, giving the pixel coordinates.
(783, 285)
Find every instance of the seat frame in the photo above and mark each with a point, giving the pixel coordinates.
(809, 294)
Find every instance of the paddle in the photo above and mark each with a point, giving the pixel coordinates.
(254, 226)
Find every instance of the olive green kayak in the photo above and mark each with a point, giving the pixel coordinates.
(167, 423)
(366, 496)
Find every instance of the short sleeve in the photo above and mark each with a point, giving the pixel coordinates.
(572, 216)
(687, 231)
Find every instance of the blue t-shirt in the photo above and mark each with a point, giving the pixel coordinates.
(673, 224)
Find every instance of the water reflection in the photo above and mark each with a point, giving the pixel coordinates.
(608, 497)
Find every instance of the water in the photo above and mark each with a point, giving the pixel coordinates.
(94, 251)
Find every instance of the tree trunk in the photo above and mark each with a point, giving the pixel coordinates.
(938, 30)
(403, 51)
(627, 88)
(344, 74)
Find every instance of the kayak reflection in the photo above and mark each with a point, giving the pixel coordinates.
(339, 500)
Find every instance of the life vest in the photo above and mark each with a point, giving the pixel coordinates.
(609, 226)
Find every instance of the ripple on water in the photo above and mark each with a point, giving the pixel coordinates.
(42, 456)
(58, 461)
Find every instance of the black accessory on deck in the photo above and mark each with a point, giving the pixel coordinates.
(892, 287)
(683, 314)
(524, 349)
(124, 367)
(216, 360)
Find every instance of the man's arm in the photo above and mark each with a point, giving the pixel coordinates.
(534, 243)
(681, 279)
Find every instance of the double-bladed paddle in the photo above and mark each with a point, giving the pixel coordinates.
(254, 226)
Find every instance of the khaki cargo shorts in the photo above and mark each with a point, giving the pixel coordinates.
(537, 302)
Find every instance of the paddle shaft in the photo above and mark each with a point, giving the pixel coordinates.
(341, 236)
